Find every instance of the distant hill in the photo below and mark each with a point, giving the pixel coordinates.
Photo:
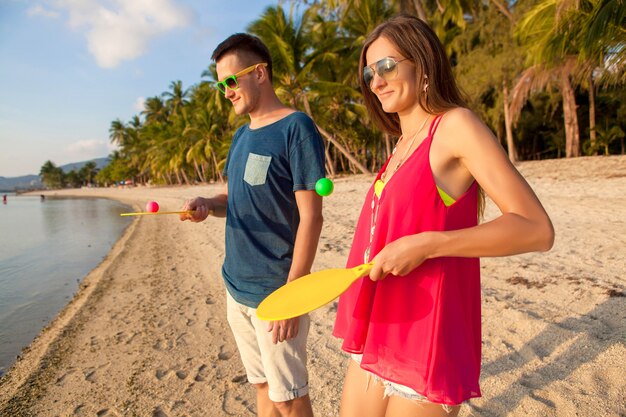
(100, 163)
(21, 183)
(33, 181)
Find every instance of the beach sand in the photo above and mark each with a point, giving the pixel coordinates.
(146, 333)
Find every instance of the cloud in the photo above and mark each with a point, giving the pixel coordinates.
(140, 104)
(88, 148)
(119, 30)
(39, 10)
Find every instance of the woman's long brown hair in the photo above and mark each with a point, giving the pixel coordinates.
(417, 42)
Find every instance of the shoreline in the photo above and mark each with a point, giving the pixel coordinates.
(146, 332)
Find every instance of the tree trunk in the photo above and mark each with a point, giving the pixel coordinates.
(504, 10)
(387, 145)
(419, 8)
(332, 140)
(185, 177)
(329, 162)
(572, 136)
(204, 167)
(593, 137)
(510, 144)
(217, 170)
(198, 171)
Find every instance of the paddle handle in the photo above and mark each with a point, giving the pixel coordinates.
(146, 213)
(362, 270)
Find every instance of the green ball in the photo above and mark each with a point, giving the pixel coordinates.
(324, 187)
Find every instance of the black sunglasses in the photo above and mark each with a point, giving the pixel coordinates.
(386, 68)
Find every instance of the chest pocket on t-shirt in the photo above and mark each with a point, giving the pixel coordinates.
(256, 169)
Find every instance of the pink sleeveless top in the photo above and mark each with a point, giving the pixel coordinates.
(421, 330)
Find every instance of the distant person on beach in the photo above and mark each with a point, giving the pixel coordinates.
(4, 199)
(413, 328)
(273, 222)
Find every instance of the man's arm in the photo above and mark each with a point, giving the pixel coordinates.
(308, 234)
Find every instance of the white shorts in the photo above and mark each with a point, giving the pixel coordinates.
(281, 365)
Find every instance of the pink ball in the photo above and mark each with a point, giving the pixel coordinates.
(152, 207)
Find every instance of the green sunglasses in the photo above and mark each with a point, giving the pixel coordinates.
(386, 68)
(231, 83)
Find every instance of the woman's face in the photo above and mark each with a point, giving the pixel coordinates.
(397, 90)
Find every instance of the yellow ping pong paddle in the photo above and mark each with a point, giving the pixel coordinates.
(309, 292)
(147, 213)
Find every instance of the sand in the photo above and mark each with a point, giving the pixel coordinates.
(146, 335)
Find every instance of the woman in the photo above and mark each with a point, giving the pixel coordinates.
(413, 328)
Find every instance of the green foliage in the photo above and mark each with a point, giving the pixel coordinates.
(53, 177)
(183, 134)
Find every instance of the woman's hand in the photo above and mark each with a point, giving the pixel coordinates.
(403, 255)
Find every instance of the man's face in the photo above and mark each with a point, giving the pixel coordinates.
(245, 97)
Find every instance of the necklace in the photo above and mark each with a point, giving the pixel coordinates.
(406, 152)
(376, 207)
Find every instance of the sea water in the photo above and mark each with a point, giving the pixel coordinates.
(47, 246)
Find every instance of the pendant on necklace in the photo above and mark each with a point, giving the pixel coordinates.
(378, 188)
(366, 256)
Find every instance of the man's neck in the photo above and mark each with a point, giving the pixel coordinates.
(269, 112)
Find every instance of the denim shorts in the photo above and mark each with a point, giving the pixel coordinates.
(395, 389)
(282, 366)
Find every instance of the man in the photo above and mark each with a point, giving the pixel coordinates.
(273, 222)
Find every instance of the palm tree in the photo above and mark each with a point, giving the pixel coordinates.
(603, 46)
(155, 110)
(176, 99)
(489, 40)
(207, 132)
(289, 40)
(51, 175)
(88, 172)
(548, 32)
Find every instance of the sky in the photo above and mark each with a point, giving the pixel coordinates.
(68, 68)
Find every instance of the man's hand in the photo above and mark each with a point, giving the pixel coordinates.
(200, 209)
(284, 329)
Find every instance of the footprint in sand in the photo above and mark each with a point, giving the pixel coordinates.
(158, 412)
(62, 378)
(92, 373)
(240, 379)
(107, 413)
(201, 375)
(161, 373)
(224, 355)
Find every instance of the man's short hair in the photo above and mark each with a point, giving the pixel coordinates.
(248, 48)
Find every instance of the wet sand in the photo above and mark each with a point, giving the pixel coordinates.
(146, 334)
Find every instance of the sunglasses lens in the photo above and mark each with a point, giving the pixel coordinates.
(368, 75)
(231, 82)
(385, 68)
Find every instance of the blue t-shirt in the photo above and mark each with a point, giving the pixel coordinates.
(265, 167)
